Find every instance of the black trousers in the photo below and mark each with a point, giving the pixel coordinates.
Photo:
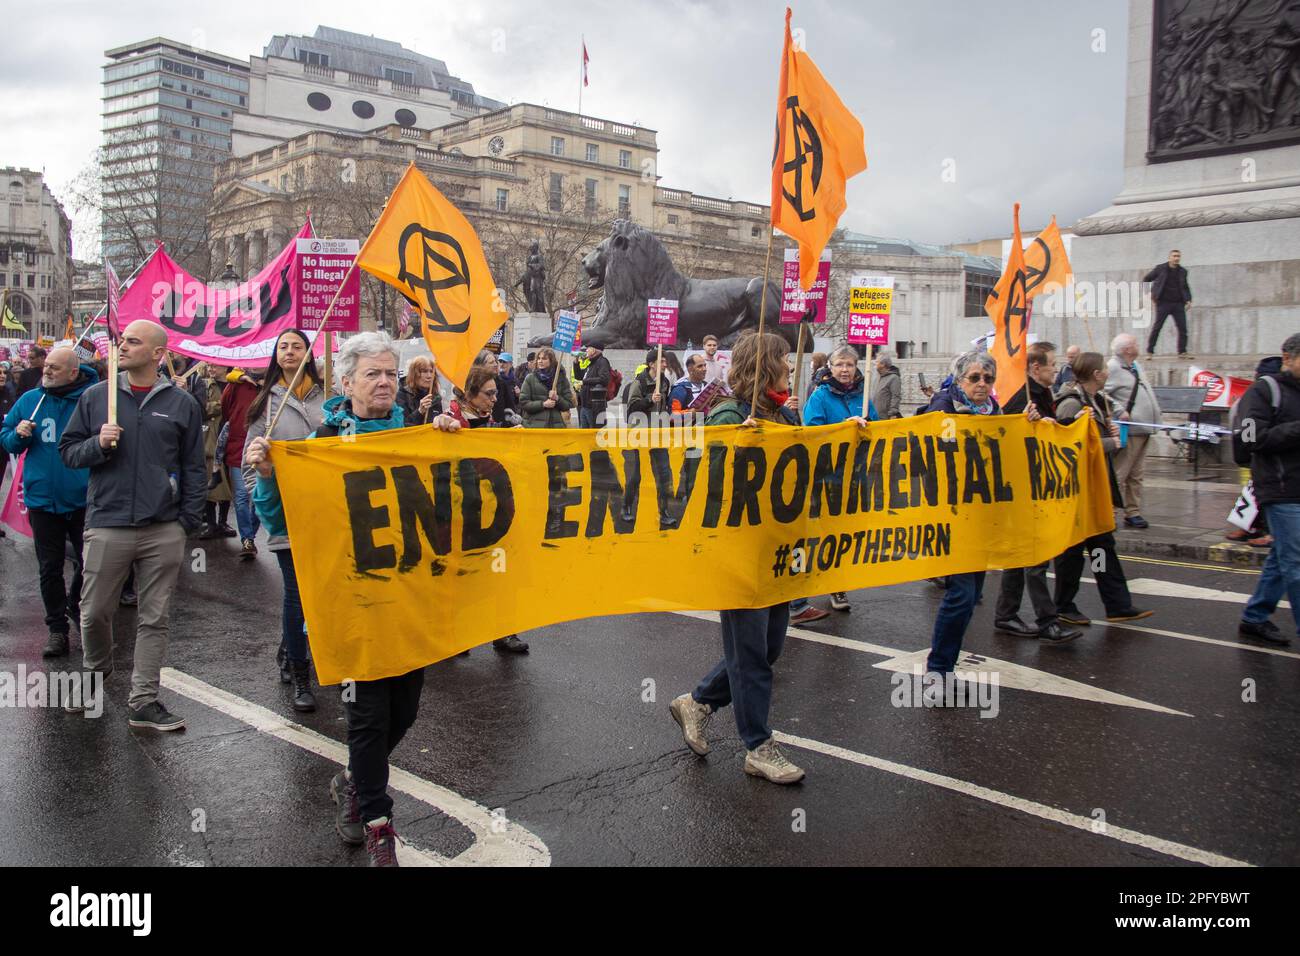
(1014, 581)
(53, 533)
(378, 719)
(1165, 310)
(1099, 552)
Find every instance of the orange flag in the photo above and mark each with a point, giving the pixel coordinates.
(428, 251)
(1046, 261)
(1008, 307)
(819, 145)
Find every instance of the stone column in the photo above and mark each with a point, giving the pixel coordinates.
(256, 250)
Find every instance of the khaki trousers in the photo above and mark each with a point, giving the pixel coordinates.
(1130, 465)
(157, 551)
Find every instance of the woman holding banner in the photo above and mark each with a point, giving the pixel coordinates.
(292, 403)
(1085, 396)
(751, 638)
(838, 398)
(474, 410)
(547, 395)
(969, 393)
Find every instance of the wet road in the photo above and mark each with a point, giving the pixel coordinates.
(1162, 743)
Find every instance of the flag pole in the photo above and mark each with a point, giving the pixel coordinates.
(762, 313)
(104, 311)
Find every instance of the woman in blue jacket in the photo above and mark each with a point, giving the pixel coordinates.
(838, 398)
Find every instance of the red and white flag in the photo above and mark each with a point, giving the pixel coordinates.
(585, 60)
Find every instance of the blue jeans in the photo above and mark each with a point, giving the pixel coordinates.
(292, 636)
(1281, 574)
(751, 643)
(245, 516)
(952, 620)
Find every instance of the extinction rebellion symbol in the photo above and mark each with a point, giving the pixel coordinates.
(438, 271)
(807, 152)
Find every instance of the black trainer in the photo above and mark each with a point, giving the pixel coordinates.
(304, 701)
(154, 716)
(1265, 631)
(347, 819)
(57, 645)
(511, 644)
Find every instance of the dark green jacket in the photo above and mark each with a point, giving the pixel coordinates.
(534, 393)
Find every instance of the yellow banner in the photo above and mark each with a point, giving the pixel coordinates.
(412, 545)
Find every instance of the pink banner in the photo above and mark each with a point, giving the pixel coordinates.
(236, 326)
(14, 511)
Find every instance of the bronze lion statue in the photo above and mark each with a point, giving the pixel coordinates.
(632, 266)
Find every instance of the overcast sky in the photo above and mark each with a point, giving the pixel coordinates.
(1011, 91)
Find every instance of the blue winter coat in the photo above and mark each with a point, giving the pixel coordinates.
(832, 403)
(48, 484)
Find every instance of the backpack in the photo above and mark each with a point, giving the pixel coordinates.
(615, 383)
(1241, 451)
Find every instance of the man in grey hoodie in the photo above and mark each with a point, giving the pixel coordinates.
(147, 486)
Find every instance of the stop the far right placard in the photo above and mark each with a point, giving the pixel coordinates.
(871, 299)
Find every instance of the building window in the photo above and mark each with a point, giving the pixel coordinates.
(557, 145)
(313, 59)
(399, 76)
(593, 153)
(503, 197)
(591, 196)
(625, 158)
(318, 101)
(31, 280)
(557, 191)
(284, 182)
(673, 220)
(404, 118)
(31, 258)
(363, 109)
(755, 231)
(624, 200)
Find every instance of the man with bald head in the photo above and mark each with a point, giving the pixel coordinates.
(146, 491)
(53, 493)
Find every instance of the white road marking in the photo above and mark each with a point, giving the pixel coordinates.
(512, 846)
(1015, 676)
(1173, 589)
(1236, 645)
(1183, 852)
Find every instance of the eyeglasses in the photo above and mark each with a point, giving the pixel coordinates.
(975, 379)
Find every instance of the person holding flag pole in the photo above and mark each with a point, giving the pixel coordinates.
(814, 130)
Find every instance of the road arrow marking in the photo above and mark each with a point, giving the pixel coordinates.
(1015, 676)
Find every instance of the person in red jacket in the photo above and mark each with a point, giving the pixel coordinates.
(241, 388)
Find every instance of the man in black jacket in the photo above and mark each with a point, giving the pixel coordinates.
(1269, 418)
(1041, 367)
(1171, 294)
(594, 394)
(147, 485)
